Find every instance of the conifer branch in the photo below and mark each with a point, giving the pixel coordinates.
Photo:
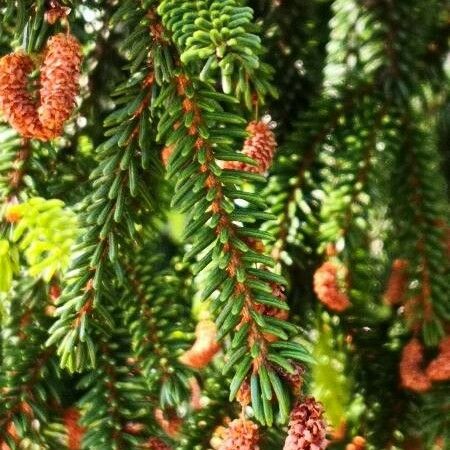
(28, 374)
(16, 152)
(220, 229)
(120, 197)
(421, 218)
(159, 334)
(116, 411)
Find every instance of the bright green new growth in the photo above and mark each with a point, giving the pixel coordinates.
(220, 36)
(45, 232)
(9, 264)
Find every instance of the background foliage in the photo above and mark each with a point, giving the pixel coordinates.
(126, 236)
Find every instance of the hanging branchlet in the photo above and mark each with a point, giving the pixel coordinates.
(160, 335)
(115, 396)
(242, 275)
(28, 375)
(120, 195)
(16, 152)
(429, 413)
(417, 218)
(291, 189)
(392, 61)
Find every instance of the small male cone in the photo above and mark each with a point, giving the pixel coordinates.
(260, 146)
(16, 103)
(241, 434)
(412, 375)
(327, 289)
(59, 81)
(439, 368)
(307, 427)
(204, 347)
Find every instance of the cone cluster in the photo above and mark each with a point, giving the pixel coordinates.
(260, 146)
(327, 287)
(307, 427)
(41, 118)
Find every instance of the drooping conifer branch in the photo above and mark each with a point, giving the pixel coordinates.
(116, 408)
(220, 229)
(424, 206)
(26, 368)
(121, 194)
(159, 334)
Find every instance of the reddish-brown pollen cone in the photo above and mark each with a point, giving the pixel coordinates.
(58, 81)
(397, 283)
(204, 347)
(358, 443)
(327, 287)
(16, 103)
(74, 430)
(439, 368)
(412, 374)
(307, 427)
(260, 146)
(165, 155)
(170, 424)
(241, 434)
(155, 443)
